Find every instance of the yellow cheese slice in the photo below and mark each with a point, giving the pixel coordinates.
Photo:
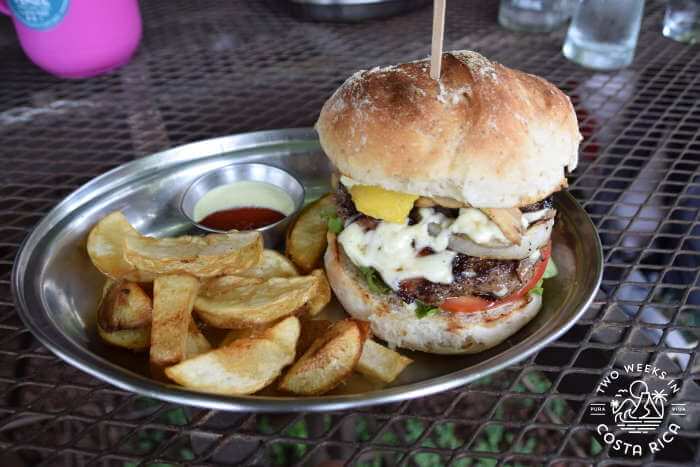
(391, 206)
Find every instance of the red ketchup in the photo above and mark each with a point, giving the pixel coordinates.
(241, 218)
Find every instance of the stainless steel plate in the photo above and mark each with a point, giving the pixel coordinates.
(57, 288)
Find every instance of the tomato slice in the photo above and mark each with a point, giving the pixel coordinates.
(545, 253)
(470, 303)
(466, 304)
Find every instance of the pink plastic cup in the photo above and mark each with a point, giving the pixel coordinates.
(76, 38)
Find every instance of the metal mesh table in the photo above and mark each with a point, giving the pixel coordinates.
(211, 68)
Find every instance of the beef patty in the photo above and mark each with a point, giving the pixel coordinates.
(487, 278)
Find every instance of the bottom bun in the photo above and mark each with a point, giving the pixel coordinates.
(396, 322)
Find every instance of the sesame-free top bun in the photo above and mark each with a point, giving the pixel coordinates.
(484, 134)
(443, 333)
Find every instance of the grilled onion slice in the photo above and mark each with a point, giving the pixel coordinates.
(535, 237)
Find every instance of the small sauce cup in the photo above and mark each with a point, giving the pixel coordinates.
(233, 174)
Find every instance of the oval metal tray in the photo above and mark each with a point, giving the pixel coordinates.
(57, 289)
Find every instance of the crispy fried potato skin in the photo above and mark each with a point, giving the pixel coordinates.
(271, 264)
(256, 304)
(323, 294)
(328, 362)
(206, 256)
(124, 306)
(173, 298)
(131, 339)
(244, 365)
(105, 246)
(381, 363)
(306, 237)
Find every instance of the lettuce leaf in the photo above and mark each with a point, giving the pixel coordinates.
(423, 309)
(374, 280)
(334, 223)
(551, 270)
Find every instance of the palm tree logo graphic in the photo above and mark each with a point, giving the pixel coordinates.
(637, 410)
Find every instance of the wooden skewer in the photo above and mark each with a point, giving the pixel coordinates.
(438, 36)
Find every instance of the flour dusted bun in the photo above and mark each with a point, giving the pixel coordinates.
(396, 322)
(485, 135)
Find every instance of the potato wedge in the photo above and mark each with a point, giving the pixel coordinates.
(139, 339)
(328, 361)
(272, 264)
(323, 293)
(196, 342)
(255, 304)
(105, 246)
(124, 306)
(306, 238)
(132, 339)
(206, 256)
(285, 333)
(129, 336)
(242, 367)
(173, 297)
(277, 332)
(217, 286)
(381, 363)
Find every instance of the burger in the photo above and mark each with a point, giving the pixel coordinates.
(444, 198)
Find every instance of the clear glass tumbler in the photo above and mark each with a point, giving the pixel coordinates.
(682, 21)
(603, 33)
(534, 15)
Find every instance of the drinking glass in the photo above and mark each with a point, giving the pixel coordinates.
(603, 34)
(682, 21)
(534, 15)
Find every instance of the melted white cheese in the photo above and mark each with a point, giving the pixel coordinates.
(478, 227)
(392, 249)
